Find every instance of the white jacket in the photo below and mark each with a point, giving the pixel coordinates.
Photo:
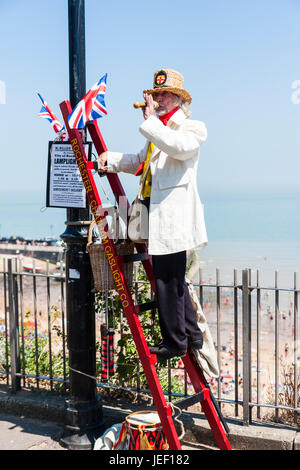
(176, 219)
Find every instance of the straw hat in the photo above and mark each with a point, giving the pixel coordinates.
(169, 80)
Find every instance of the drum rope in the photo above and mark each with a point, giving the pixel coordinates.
(176, 418)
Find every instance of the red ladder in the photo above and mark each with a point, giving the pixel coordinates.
(148, 361)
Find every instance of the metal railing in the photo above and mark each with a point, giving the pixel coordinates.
(256, 341)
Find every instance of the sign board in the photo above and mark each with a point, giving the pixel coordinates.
(65, 187)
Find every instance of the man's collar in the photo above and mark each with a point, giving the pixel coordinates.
(177, 118)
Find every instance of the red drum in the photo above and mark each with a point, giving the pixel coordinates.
(144, 431)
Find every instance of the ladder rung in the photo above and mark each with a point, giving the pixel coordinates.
(135, 257)
(189, 401)
(151, 305)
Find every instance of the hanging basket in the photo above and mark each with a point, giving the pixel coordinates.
(103, 279)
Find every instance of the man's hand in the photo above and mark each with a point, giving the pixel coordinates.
(102, 160)
(149, 108)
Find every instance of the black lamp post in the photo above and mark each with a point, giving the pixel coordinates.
(84, 410)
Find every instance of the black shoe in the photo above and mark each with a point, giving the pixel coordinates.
(163, 353)
(154, 349)
(196, 344)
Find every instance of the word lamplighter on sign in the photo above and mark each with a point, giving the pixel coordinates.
(65, 187)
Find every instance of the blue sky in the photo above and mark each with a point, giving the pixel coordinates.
(239, 60)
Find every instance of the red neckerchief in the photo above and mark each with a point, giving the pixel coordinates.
(164, 119)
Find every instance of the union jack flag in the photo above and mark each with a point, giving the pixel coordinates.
(46, 113)
(92, 106)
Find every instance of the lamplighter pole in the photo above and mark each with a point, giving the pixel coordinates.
(84, 410)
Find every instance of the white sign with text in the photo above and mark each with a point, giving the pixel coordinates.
(65, 187)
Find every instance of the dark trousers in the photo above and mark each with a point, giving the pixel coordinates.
(177, 317)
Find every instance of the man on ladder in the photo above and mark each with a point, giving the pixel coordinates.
(168, 165)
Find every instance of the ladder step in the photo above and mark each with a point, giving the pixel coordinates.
(135, 257)
(151, 305)
(189, 401)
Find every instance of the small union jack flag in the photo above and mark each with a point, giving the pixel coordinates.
(92, 106)
(46, 113)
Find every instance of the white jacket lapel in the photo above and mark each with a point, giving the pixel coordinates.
(175, 121)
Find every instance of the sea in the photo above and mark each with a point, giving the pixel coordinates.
(257, 230)
(254, 229)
